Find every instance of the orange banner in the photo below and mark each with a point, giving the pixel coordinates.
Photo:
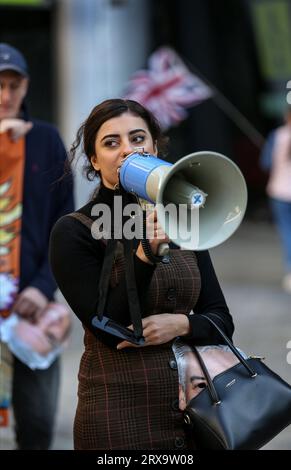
(12, 156)
(11, 187)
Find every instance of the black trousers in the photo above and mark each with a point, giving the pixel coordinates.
(34, 401)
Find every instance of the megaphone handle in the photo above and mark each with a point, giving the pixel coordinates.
(163, 249)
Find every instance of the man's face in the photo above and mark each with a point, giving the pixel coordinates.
(13, 88)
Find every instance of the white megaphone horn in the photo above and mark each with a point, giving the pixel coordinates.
(208, 187)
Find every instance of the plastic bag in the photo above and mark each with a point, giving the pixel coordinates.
(38, 344)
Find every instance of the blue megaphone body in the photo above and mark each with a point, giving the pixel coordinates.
(207, 181)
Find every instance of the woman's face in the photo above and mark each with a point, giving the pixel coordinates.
(116, 139)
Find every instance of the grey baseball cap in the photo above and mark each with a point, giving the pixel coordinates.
(12, 59)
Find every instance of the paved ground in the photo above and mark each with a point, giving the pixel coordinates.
(250, 269)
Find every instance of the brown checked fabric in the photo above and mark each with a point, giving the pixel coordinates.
(128, 399)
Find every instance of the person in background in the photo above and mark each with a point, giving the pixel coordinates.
(44, 198)
(276, 160)
(128, 394)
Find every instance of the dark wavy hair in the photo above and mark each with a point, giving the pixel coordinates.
(109, 109)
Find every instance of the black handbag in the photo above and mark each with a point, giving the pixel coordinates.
(243, 407)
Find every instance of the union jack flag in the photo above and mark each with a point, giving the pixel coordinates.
(167, 87)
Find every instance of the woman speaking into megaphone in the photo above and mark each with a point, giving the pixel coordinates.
(128, 381)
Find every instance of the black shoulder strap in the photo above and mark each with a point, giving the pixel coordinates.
(133, 300)
(84, 219)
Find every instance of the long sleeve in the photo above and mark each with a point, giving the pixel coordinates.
(46, 197)
(76, 260)
(62, 202)
(211, 302)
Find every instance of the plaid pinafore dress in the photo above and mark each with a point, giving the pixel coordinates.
(128, 399)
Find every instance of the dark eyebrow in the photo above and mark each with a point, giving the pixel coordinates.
(196, 377)
(137, 130)
(134, 131)
(51, 339)
(109, 135)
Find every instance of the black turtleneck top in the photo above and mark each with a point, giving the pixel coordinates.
(76, 259)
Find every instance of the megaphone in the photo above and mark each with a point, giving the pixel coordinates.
(208, 186)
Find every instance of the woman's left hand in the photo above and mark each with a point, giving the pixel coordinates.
(16, 127)
(161, 328)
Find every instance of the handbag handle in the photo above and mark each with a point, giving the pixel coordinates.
(212, 390)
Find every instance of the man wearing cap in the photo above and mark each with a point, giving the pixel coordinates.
(43, 199)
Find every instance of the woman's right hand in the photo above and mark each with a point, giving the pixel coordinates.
(154, 234)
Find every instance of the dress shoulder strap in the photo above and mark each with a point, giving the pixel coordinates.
(84, 219)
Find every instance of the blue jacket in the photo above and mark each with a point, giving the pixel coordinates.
(267, 152)
(44, 201)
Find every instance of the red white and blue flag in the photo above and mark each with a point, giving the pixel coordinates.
(167, 88)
